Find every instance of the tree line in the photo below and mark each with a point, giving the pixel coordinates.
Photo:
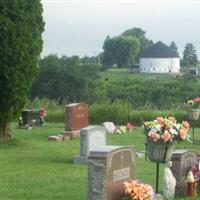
(124, 50)
(69, 79)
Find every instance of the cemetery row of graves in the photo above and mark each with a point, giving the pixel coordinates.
(101, 161)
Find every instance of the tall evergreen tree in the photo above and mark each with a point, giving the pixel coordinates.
(21, 26)
(189, 55)
(174, 47)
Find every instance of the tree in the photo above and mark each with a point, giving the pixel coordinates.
(174, 47)
(120, 50)
(63, 79)
(141, 36)
(189, 56)
(21, 26)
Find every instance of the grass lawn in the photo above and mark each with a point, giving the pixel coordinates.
(33, 168)
(124, 73)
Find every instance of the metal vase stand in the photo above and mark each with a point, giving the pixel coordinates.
(192, 122)
(157, 165)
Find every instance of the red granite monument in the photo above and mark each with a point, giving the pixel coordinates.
(76, 118)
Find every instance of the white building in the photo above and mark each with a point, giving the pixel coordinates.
(159, 58)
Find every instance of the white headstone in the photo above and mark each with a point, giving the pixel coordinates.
(109, 126)
(91, 137)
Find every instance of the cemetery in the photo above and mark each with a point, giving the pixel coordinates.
(105, 161)
(121, 122)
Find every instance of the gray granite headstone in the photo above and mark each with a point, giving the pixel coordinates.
(182, 161)
(108, 168)
(91, 137)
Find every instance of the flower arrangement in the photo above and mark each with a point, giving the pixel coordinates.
(194, 103)
(135, 190)
(196, 168)
(166, 130)
(124, 129)
(43, 114)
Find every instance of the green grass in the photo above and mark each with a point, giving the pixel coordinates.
(124, 73)
(32, 168)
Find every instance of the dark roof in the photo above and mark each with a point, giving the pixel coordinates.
(158, 50)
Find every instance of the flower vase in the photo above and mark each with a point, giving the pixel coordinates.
(159, 152)
(193, 114)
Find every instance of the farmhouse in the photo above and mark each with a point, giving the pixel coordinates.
(159, 58)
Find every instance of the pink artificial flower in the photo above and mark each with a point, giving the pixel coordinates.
(153, 136)
(129, 126)
(196, 99)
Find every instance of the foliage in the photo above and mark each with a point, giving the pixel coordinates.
(115, 112)
(160, 94)
(194, 103)
(189, 56)
(166, 130)
(21, 26)
(119, 112)
(141, 36)
(63, 79)
(120, 50)
(174, 47)
(39, 103)
(91, 60)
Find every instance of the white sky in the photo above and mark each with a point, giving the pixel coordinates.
(80, 27)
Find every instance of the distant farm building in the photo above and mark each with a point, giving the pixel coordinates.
(159, 58)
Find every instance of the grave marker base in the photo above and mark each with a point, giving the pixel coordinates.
(80, 160)
(58, 138)
(72, 134)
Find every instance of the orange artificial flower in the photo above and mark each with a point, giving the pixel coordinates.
(127, 187)
(161, 121)
(186, 125)
(166, 136)
(138, 191)
(182, 133)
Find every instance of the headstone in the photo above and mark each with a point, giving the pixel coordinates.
(76, 117)
(108, 168)
(109, 126)
(182, 161)
(30, 118)
(91, 137)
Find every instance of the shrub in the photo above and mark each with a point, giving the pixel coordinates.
(116, 112)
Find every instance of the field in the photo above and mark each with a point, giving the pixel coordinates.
(119, 74)
(32, 168)
(124, 73)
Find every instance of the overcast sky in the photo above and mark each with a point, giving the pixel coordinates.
(80, 27)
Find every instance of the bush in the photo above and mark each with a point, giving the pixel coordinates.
(38, 103)
(116, 112)
(56, 116)
(119, 112)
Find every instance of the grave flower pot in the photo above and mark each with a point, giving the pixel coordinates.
(159, 152)
(193, 114)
